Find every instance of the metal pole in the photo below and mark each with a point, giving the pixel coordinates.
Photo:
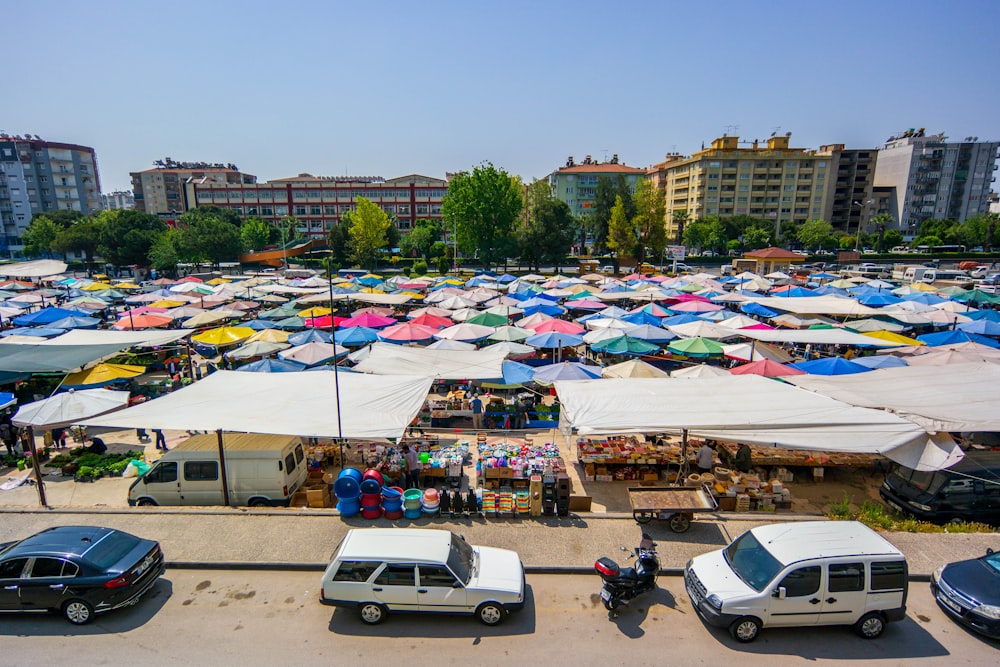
(38, 469)
(222, 470)
(682, 471)
(336, 373)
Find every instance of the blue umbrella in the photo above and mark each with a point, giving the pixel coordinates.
(642, 317)
(878, 299)
(830, 366)
(625, 345)
(7, 399)
(650, 333)
(981, 327)
(926, 298)
(269, 365)
(554, 339)
(955, 336)
(517, 373)
(38, 332)
(355, 336)
(567, 370)
(76, 322)
(991, 315)
(823, 276)
(369, 281)
(756, 309)
(259, 325)
(311, 336)
(794, 292)
(506, 278)
(829, 290)
(683, 318)
(880, 361)
(45, 316)
(548, 309)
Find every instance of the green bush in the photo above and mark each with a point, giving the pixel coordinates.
(420, 267)
(876, 516)
(444, 264)
(85, 471)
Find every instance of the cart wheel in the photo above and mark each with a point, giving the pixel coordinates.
(679, 523)
(642, 517)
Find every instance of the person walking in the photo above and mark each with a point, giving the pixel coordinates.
(477, 412)
(412, 468)
(161, 441)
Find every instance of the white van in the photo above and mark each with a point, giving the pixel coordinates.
(794, 574)
(262, 471)
(378, 570)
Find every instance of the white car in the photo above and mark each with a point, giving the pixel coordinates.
(379, 570)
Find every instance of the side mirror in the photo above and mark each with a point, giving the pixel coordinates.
(779, 593)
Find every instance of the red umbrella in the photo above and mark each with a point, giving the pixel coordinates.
(370, 320)
(767, 368)
(560, 326)
(324, 322)
(190, 279)
(432, 321)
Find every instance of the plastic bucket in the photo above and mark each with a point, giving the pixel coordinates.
(431, 496)
(392, 493)
(347, 484)
(372, 473)
(430, 510)
(371, 513)
(348, 507)
(371, 499)
(412, 513)
(394, 505)
(393, 516)
(430, 506)
(371, 485)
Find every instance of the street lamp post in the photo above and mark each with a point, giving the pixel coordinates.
(861, 219)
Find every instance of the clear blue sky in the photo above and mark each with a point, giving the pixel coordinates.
(389, 88)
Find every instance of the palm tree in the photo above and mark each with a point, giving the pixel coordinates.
(881, 222)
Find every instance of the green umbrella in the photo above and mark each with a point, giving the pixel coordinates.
(489, 320)
(954, 291)
(282, 311)
(979, 296)
(509, 333)
(624, 345)
(695, 347)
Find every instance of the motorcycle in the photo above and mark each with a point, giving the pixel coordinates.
(621, 585)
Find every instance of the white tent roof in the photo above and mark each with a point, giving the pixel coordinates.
(815, 337)
(302, 403)
(954, 397)
(817, 305)
(69, 407)
(34, 269)
(149, 338)
(389, 359)
(749, 409)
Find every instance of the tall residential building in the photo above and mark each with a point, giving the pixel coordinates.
(38, 176)
(850, 204)
(318, 202)
(933, 178)
(160, 190)
(773, 182)
(119, 199)
(576, 184)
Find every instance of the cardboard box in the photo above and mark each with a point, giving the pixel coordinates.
(506, 473)
(492, 473)
(651, 477)
(580, 503)
(299, 499)
(588, 469)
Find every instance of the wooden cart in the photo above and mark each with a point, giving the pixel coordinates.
(675, 504)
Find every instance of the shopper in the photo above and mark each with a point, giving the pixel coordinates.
(742, 460)
(412, 468)
(477, 412)
(7, 435)
(161, 441)
(705, 457)
(97, 446)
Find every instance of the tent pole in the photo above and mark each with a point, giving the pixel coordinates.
(38, 469)
(336, 373)
(222, 470)
(682, 471)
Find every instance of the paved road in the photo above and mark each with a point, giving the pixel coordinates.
(226, 618)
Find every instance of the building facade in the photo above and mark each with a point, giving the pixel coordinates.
(120, 199)
(38, 176)
(160, 190)
(773, 182)
(576, 184)
(849, 203)
(930, 177)
(317, 202)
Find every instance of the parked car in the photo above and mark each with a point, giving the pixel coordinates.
(380, 570)
(78, 571)
(969, 591)
(967, 491)
(607, 268)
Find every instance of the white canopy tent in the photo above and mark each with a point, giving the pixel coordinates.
(388, 359)
(298, 403)
(37, 268)
(749, 409)
(816, 305)
(815, 337)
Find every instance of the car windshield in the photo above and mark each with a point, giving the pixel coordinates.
(752, 562)
(928, 482)
(110, 550)
(993, 560)
(460, 558)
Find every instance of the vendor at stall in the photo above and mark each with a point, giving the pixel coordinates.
(705, 457)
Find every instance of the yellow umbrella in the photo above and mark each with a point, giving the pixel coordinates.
(127, 285)
(413, 295)
(922, 287)
(315, 311)
(371, 275)
(894, 337)
(217, 281)
(96, 287)
(103, 374)
(223, 335)
(270, 336)
(371, 290)
(167, 303)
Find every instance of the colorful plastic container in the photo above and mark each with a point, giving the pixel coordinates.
(347, 484)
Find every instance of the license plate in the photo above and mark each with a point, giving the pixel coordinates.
(605, 595)
(948, 603)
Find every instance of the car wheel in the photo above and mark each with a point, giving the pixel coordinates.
(145, 502)
(78, 612)
(490, 613)
(259, 502)
(870, 626)
(372, 613)
(745, 629)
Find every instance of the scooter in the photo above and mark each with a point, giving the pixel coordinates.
(621, 585)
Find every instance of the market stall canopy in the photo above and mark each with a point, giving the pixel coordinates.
(70, 407)
(102, 374)
(41, 357)
(121, 338)
(954, 397)
(750, 409)
(389, 359)
(816, 305)
(816, 337)
(301, 403)
(34, 269)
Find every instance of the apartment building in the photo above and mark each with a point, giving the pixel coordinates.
(119, 199)
(931, 177)
(850, 203)
(317, 202)
(160, 190)
(576, 184)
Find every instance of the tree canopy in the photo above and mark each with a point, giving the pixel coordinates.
(484, 205)
(127, 235)
(547, 235)
(421, 238)
(622, 232)
(650, 220)
(207, 238)
(40, 236)
(368, 232)
(255, 233)
(815, 234)
(82, 236)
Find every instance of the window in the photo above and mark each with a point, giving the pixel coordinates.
(800, 582)
(329, 210)
(266, 210)
(436, 575)
(11, 569)
(299, 454)
(264, 194)
(421, 209)
(889, 576)
(315, 210)
(51, 567)
(201, 471)
(289, 463)
(847, 577)
(164, 472)
(356, 571)
(403, 209)
(396, 575)
(300, 210)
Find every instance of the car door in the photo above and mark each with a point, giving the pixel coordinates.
(846, 598)
(200, 483)
(45, 583)
(439, 590)
(396, 586)
(801, 603)
(10, 583)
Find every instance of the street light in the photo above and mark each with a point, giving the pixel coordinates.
(861, 217)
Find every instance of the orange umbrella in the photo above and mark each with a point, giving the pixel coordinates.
(146, 321)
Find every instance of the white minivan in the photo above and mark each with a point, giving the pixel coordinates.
(795, 574)
(378, 570)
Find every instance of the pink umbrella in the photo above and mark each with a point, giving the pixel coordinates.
(680, 298)
(653, 309)
(695, 307)
(758, 326)
(432, 321)
(144, 310)
(585, 304)
(407, 332)
(370, 320)
(532, 320)
(767, 368)
(561, 326)
(430, 310)
(375, 310)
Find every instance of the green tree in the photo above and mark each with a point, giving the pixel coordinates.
(484, 204)
(127, 235)
(680, 219)
(65, 218)
(369, 227)
(624, 190)
(706, 234)
(208, 239)
(650, 220)
(421, 239)
(600, 216)
(40, 236)
(622, 232)
(881, 223)
(255, 233)
(755, 238)
(339, 239)
(82, 236)
(814, 234)
(163, 254)
(548, 234)
(215, 212)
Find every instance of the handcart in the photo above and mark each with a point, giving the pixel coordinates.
(675, 504)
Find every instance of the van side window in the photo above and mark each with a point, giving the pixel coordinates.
(164, 472)
(299, 454)
(289, 463)
(803, 581)
(356, 571)
(201, 471)
(396, 575)
(846, 577)
(889, 576)
(436, 575)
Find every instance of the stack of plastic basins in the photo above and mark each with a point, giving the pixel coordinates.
(411, 503)
(431, 502)
(392, 502)
(371, 494)
(347, 488)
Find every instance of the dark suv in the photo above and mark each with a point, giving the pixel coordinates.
(968, 491)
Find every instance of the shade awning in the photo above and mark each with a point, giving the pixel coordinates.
(387, 359)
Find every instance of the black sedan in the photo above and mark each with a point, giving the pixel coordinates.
(969, 591)
(78, 571)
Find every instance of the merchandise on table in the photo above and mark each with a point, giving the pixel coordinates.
(516, 458)
(436, 460)
(779, 456)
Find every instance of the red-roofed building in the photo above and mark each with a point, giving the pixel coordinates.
(773, 259)
(576, 183)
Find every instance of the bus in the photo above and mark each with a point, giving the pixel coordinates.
(936, 249)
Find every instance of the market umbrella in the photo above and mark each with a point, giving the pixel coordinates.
(532, 320)
(102, 374)
(642, 317)
(269, 336)
(979, 296)
(954, 336)
(554, 340)
(147, 321)
(703, 329)
(315, 311)
(282, 311)
(69, 407)
(370, 320)
(766, 368)
(311, 354)
(567, 370)
(46, 316)
(878, 299)
(492, 319)
(752, 308)
(355, 336)
(430, 310)
(699, 371)
(650, 333)
(957, 354)
(310, 336)
(259, 325)
(223, 336)
(465, 332)
(407, 332)
(755, 352)
(559, 326)
(509, 333)
(695, 347)
(880, 361)
(259, 348)
(35, 332)
(445, 344)
(374, 310)
(625, 345)
(893, 337)
(683, 318)
(76, 322)
(291, 323)
(979, 327)
(515, 373)
(207, 318)
(633, 368)
(829, 366)
(585, 304)
(269, 365)
(432, 321)
(324, 321)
